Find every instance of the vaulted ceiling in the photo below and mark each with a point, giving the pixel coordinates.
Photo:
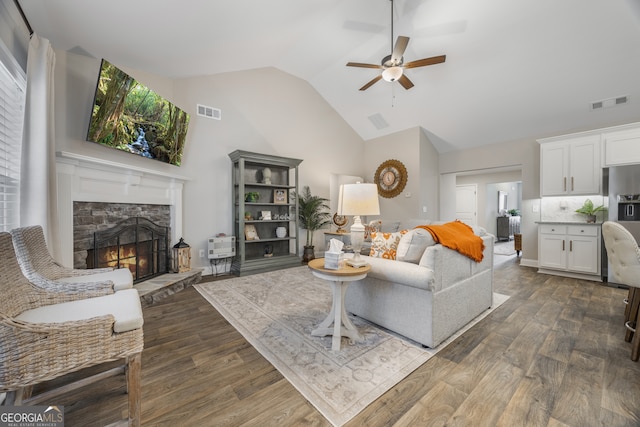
(515, 70)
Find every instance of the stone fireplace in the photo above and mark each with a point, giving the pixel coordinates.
(96, 194)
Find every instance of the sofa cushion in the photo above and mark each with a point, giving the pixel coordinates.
(393, 225)
(403, 273)
(413, 244)
(385, 245)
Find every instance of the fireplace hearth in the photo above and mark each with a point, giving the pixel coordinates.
(136, 243)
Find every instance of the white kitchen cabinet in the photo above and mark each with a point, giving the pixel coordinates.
(621, 147)
(570, 249)
(570, 166)
(552, 246)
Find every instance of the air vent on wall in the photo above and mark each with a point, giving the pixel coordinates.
(209, 112)
(611, 102)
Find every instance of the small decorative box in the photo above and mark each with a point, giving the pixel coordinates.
(333, 260)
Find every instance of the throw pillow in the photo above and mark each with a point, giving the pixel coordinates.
(413, 244)
(385, 245)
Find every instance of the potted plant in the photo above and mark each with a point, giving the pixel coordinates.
(313, 213)
(514, 212)
(590, 211)
(251, 196)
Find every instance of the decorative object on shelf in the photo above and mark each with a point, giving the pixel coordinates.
(281, 232)
(340, 221)
(268, 251)
(251, 196)
(247, 216)
(250, 232)
(391, 178)
(590, 211)
(280, 197)
(265, 215)
(358, 200)
(181, 257)
(266, 176)
(313, 215)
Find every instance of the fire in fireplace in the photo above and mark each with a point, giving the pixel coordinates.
(135, 243)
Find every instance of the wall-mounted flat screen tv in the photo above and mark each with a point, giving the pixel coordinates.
(129, 116)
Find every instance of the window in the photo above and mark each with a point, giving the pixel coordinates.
(12, 99)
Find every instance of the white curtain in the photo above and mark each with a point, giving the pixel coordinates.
(38, 188)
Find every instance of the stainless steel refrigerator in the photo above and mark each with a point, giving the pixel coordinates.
(624, 201)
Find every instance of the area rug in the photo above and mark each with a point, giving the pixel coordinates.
(276, 313)
(504, 248)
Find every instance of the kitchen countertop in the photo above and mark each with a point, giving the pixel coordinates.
(569, 222)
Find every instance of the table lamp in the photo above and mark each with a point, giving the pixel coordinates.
(358, 199)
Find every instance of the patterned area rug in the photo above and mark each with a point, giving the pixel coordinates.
(276, 313)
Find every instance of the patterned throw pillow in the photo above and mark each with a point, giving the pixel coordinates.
(385, 245)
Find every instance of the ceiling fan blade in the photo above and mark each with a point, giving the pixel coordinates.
(362, 65)
(405, 82)
(399, 48)
(426, 61)
(368, 85)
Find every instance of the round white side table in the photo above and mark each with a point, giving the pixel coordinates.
(339, 279)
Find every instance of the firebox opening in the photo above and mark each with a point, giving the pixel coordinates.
(135, 243)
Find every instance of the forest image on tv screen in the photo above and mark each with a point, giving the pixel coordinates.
(131, 117)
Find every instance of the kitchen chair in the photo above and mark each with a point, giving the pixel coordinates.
(45, 335)
(42, 270)
(624, 256)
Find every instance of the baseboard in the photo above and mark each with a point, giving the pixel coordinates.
(592, 277)
(525, 262)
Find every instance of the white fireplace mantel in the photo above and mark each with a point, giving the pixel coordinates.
(87, 179)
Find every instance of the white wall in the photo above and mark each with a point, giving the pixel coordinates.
(415, 151)
(524, 155)
(264, 110)
(429, 179)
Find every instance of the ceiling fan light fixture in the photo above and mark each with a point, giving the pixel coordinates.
(392, 74)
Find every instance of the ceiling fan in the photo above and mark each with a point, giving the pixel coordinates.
(393, 65)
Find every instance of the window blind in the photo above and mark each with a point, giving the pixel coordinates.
(12, 99)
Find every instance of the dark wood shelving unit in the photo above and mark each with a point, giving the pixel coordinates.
(267, 252)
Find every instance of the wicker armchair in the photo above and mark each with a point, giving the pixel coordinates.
(45, 335)
(42, 270)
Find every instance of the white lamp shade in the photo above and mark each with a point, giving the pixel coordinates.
(392, 74)
(358, 199)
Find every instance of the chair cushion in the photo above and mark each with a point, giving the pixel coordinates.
(123, 305)
(121, 278)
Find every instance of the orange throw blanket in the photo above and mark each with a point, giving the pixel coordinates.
(459, 237)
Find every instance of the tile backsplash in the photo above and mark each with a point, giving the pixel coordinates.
(564, 208)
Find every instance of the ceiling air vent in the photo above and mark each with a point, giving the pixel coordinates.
(611, 102)
(378, 121)
(209, 112)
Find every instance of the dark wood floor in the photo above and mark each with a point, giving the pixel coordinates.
(553, 355)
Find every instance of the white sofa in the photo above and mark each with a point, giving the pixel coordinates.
(426, 298)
